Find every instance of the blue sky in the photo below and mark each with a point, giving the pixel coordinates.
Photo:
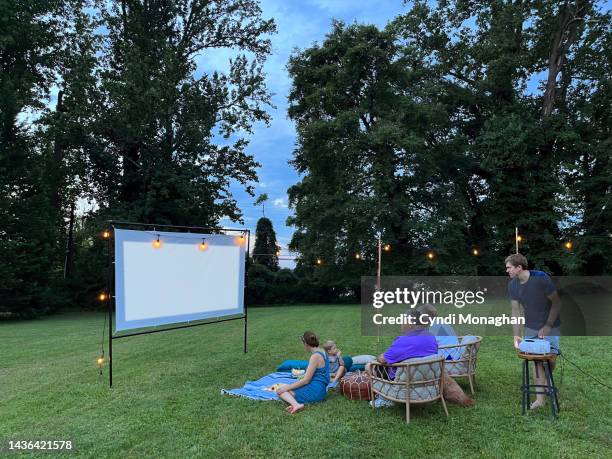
(300, 24)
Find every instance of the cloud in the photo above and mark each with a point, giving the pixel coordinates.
(280, 202)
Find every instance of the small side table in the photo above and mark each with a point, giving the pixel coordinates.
(550, 388)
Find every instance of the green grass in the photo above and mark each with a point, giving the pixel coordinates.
(166, 399)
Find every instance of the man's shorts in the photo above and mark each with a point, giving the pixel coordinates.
(553, 338)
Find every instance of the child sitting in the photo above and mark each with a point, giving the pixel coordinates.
(336, 363)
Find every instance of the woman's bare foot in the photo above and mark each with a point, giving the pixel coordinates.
(539, 403)
(296, 408)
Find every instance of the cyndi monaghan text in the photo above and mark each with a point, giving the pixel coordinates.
(452, 319)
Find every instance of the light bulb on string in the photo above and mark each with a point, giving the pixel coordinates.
(386, 247)
(157, 243)
(569, 245)
(319, 261)
(431, 255)
(102, 296)
(475, 252)
(202, 245)
(520, 238)
(357, 256)
(106, 234)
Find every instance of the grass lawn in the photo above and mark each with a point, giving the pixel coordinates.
(166, 399)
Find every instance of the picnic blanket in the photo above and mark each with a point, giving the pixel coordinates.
(256, 390)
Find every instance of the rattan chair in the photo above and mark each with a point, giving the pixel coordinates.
(415, 381)
(465, 366)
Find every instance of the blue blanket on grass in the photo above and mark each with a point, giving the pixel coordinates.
(254, 390)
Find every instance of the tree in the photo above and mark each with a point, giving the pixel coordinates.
(136, 128)
(159, 119)
(266, 249)
(430, 133)
(30, 50)
(174, 135)
(261, 200)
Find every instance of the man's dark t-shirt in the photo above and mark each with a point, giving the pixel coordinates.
(533, 295)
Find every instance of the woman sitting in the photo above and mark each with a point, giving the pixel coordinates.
(313, 387)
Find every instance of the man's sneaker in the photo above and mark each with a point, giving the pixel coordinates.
(381, 402)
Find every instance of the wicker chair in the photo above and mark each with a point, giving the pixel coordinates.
(415, 381)
(465, 366)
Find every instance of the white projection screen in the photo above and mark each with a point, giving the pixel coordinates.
(176, 280)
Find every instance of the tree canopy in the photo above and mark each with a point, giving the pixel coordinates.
(105, 102)
(434, 134)
(265, 251)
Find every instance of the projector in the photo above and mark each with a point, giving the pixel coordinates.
(535, 346)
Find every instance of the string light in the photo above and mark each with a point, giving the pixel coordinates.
(278, 254)
(100, 360)
(569, 245)
(157, 243)
(431, 255)
(357, 256)
(319, 261)
(102, 296)
(519, 238)
(202, 245)
(106, 234)
(386, 247)
(475, 252)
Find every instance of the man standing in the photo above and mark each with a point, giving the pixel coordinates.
(535, 293)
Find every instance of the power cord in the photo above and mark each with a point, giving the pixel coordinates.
(101, 358)
(582, 371)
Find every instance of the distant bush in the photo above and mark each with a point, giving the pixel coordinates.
(267, 287)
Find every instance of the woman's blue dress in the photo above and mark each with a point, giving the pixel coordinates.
(316, 389)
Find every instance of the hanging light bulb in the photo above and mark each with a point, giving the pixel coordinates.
(157, 243)
(100, 360)
(102, 296)
(319, 261)
(386, 247)
(431, 255)
(519, 238)
(357, 256)
(475, 251)
(106, 234)
(569, 245)
(202, 245)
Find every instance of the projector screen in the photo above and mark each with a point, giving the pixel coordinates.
(176, 279)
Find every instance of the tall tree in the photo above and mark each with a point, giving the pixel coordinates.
(437, 137)
(261, 200)
(160, 120)
(266, 248)
(31, 41)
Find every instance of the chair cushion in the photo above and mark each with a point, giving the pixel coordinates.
(363, 359)
(451, 353)
(467, 339)
(398, 391)
(420, 370)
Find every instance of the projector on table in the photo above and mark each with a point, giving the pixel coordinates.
(535, 346)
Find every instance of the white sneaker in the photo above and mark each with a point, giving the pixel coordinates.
(381, 402)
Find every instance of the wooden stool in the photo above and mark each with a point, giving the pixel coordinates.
(550, 388)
